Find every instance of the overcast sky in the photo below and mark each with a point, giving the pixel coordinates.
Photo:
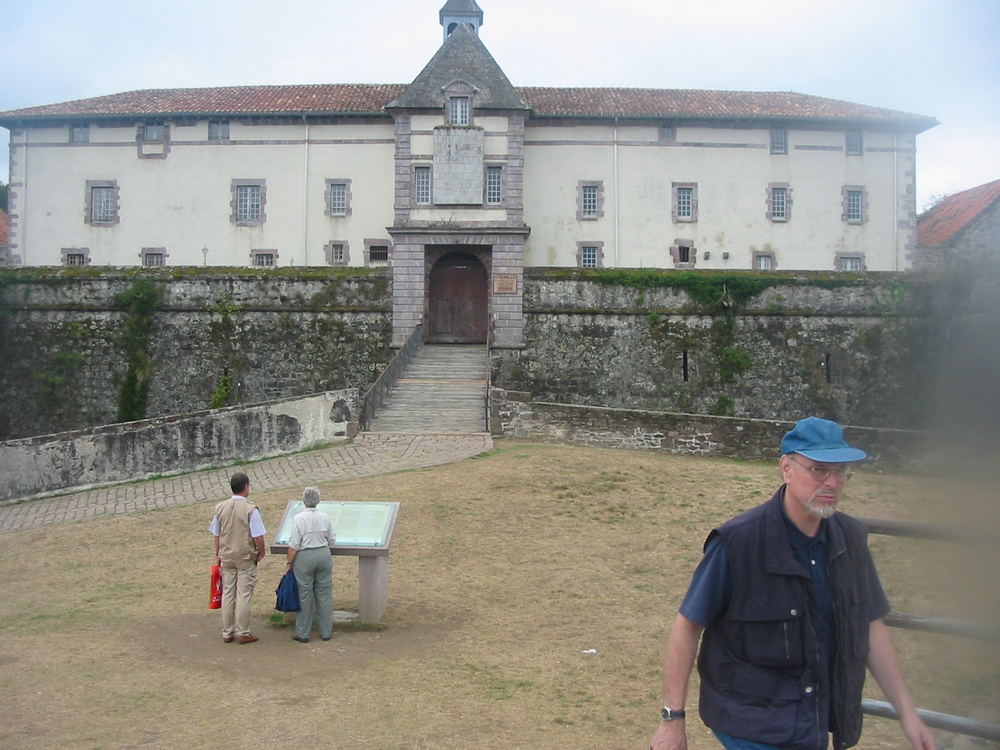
(931, 57)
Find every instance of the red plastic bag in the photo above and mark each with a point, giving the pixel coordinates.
(215, 590)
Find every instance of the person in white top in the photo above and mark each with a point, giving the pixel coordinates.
(310, 557)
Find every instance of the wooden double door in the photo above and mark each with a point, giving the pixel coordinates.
(458, 301)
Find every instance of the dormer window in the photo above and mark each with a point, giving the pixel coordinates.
(458, 111)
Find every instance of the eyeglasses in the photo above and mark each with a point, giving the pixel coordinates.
(820, 474)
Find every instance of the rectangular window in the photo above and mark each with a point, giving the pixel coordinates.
(458, 110)
(338, 198)
(337, 253)
(248, 203)
(264, 258)
(588, 256)
(218, 130)
(853, 206)
(151, 258)
(79, 133)
(75, 259)
(152, 131)
(102, 205)
(494, 185)
(763, 262)
(779, 141)
(854, 143)
(779, 202)
(851, 264)
(683, 253)
(421, 187)
(685, 202)
(588, 202)
(378, 253)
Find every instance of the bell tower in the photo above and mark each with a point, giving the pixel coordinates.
(456, 12)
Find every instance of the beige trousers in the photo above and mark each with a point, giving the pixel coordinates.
(237, 589)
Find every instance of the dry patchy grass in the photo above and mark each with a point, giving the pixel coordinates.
(506, 569)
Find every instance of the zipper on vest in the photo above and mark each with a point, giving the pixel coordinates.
(788, 651)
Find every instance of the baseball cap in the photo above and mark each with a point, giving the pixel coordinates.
(820, 440)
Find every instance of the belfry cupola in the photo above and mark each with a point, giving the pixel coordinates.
(457, 12)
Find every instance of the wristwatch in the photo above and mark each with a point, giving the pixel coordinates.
(669, 714)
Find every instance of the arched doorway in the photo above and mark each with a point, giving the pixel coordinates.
(457, 301)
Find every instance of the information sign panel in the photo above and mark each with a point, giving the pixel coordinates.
(356, 524)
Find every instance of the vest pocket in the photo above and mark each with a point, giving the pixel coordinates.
(771, 639)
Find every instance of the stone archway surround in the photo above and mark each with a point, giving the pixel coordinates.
(501, 250)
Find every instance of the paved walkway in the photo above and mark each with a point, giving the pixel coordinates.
(370, 453)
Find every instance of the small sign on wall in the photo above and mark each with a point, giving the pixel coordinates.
(505, 283)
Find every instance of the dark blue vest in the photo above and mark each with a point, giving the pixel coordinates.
(762, 676)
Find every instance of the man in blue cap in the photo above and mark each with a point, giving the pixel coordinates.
(789, 608)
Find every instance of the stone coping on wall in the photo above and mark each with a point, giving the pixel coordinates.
(174, 444)
(514, 414)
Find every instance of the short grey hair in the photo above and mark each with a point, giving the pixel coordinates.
(310, 496)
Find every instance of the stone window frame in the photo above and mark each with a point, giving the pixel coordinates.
(345, 182)
(488, 188)
(582, 188)
(427, 169)
(854, 142)
(329, 249)
(675, 214)
(221, 128)
(841, 258)
(847, 214)
(89, 204)
(770, 212)
(597, 246)
(234, 208)
(74, 253)
(370, 243)
(676, 253)
(459, 90)
(79, 132)
(258, 254)
(761, 257)
(778, 140)
(147, 252)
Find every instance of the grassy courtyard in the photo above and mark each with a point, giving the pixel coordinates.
(530, 592)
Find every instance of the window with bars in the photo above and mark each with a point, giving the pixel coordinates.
(458, 110)
(683, 253)
(264, 258)
(248, 202)
(75, 259)
(494, 185)
(854, 143)
(590, 254)
(685, 202)
(763, 262)
(376, 252)
(854, 205)
(421, 185)
(102, 205)
(152, 258)
(779, 141)
(218, 130)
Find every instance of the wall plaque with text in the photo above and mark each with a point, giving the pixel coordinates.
(505, 283)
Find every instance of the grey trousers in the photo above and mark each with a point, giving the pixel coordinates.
(314, 574)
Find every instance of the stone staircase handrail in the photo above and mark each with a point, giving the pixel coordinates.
(384, 383)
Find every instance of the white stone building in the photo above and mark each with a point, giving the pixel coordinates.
(460, 179)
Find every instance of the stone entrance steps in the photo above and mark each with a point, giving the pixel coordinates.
(443, 389)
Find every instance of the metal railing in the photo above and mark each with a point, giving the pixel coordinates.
(941, 625)
(375, 395)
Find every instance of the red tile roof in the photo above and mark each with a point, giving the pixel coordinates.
(3, 228)
(943, 223)
(545, 102)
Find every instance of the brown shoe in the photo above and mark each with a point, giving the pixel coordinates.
(227, 639)
(247, 639)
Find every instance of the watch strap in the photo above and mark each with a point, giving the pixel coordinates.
(671, 714)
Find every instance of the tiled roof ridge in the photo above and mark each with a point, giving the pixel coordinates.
(955, 213)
